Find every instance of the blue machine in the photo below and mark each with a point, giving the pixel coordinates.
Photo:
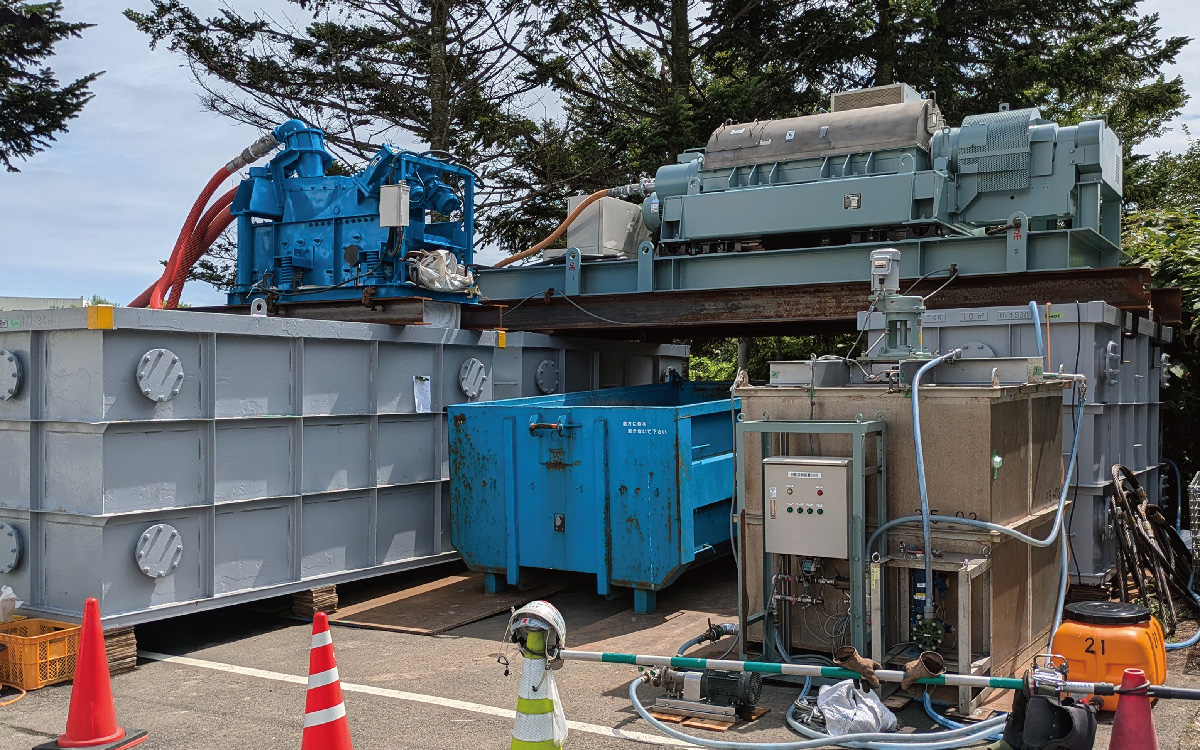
(631, 484)
(305, 236)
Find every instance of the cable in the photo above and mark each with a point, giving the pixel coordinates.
(866, 325)
(592, 314)
(952, 270)
(949, 281)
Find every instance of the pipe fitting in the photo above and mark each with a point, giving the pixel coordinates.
(639, 189)
(255, 151)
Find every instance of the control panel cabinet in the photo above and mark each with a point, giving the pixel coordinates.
(807, 504)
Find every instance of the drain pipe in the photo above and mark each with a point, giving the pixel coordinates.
(916, 417)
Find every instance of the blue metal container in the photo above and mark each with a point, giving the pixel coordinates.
(632, 484)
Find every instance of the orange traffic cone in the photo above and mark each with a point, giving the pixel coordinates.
(1133, 727)
(92, 719)
(325, 725)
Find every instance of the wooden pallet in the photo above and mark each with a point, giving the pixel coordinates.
(120, 644)
(712, 725)
(321, 599)
(438, 606)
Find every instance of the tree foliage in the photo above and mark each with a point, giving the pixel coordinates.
(1163, 232)
(34, 106)
(445, 72)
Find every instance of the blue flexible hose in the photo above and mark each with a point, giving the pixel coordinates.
(993, 526)
(1178, 494)
(920, 453)
(951, 738)
(1195, 638)
(1037, 326)
(949, 724)
(689, 644)
(869, 741)
(926, 518)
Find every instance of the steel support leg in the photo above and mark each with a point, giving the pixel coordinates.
(493, 583)
(645, 601)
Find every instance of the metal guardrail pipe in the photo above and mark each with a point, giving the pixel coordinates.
(833, 673)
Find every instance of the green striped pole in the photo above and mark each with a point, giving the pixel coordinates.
(807, 670)
(533, 728)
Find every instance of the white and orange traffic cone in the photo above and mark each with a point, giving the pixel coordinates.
(325, 725)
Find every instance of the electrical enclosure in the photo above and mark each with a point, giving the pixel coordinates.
(807, 505)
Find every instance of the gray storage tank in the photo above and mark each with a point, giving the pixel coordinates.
(167, 461)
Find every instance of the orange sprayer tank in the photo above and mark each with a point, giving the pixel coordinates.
(1100, 640)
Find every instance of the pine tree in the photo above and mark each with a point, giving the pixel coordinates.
(368, 72)
(1072, 58)
(34, 106)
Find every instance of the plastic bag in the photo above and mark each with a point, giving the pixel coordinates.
(560, 716)
(848, 710)
(9, 604)
(439, 270)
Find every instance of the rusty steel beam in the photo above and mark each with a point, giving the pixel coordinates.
(811, 308)
(482, 317)
(399, 311)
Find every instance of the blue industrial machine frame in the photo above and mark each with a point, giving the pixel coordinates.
(858, 432)
(308, 236)
(631, 484)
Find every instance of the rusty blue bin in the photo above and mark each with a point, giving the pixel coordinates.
(631, 484)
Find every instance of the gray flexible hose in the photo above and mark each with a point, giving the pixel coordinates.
(886, 740)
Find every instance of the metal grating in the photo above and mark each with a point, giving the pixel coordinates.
(878, 96)
(1003, 161)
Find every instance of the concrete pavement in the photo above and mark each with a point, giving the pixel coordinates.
(242, 685)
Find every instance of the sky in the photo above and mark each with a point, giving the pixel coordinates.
(96, 212)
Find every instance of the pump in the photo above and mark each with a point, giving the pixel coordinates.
(401, 227)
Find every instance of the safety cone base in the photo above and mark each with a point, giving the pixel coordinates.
(132, 737)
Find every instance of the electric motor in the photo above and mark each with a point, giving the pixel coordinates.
(732, 688)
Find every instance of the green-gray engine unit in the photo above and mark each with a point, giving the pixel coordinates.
(883, 166)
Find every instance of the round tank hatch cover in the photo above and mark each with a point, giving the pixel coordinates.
(159, 374)
(547, 376)
(10, 548)
(11, 375)
(1108, 613)
(159, 550)
(471, 376)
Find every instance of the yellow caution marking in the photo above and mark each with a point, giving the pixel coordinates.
(100, 317)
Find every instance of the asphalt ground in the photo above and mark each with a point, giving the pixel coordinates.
(239, 680)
